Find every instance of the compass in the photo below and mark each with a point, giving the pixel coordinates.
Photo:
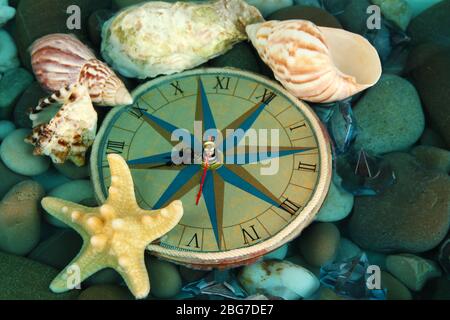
(250, 162)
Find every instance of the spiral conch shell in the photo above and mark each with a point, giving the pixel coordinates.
(316, 64)
(154, 38)
(60, 60)
(71, 132)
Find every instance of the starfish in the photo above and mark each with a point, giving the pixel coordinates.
(115, 235)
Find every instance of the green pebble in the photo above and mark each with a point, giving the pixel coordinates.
(389, 117)
(18, 156)
(413, 271)
(25, 279)
(278, 254)
(8, 50)
(411, 216)
(28, 100)
(79, 191)
(376, 258)
(59, 250)
(432, 80)
(12, 84)
(72, 171)
(20, 219)
(165, 280)
(337, 205)
(395, 289)
(327, 294)
(318, 16)
(318, 243)
(6, 127)
(433, 158)
(419, 6)
(347, 250)
(51, 179)
(354, 16)
(105, 292)
(241, 56)
(104, 277)
(432, 25)
(397, 11)
(9, 179)
(190, 275)
(267, 7)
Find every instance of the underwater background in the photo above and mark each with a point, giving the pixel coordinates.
(388, 207)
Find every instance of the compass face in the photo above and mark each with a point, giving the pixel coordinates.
(248, 160)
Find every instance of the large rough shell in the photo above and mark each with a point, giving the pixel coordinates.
(71, 132)
(163, 38)
(316, 64)
(61, 60)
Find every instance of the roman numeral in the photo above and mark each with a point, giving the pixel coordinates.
(195, 240)
(290, 207)
(115, 147)
(251, 235)
(267, 96)
(177, 87)
(223, 83)
(297, 125)
(137, 111)
(307, 167)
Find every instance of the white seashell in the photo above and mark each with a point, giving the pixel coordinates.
(316, 64)
(61, 60)
(71, 132)
(157, 38)
(279, 279)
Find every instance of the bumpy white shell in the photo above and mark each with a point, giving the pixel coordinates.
(61, 60)
(156, 38)
(316, 64)
(71, 132)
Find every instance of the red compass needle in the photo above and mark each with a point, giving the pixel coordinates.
(205, 170)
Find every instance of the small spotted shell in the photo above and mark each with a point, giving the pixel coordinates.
(71, 132)
(316, 64)
(61, 60)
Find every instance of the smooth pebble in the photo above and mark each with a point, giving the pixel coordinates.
(337, 205)
(389, 117)
(266, 7)
(347, 250)
(18, 156)
(280, 279)
(278, 254)
(6, 127)
(105, 292)
(411, 216)
(78, 191)
(165, 278)
(20, 218)
(395, 290)
(6, 12)
(12, 84)
(25, 279)
(318, 243)
(413, 271)
(8, 51)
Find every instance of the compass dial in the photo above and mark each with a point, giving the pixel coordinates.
(249, 161)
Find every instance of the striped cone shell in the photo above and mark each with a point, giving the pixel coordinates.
(316, 64)
(61, 60)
